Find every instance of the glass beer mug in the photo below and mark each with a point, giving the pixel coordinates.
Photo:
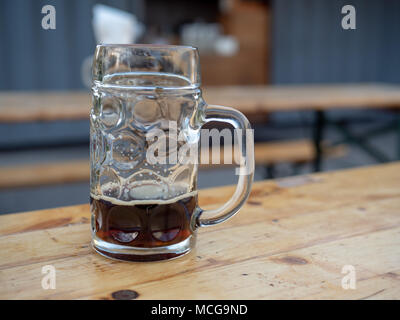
(144, 204)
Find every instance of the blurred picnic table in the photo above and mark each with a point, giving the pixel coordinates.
(17, 107)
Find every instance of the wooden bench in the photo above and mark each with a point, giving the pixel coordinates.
(271, 153)
(44, 174)
(268, 153)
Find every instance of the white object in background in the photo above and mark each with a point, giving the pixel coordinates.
(207, 38)
(201, 35)
(86, 71)
(226, 46)
(112, 25)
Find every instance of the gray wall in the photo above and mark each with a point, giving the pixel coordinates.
(32, 58)
(309, 44)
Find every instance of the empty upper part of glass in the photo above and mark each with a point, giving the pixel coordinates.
(146, 66)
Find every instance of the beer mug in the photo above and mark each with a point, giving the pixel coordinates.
(146, 108)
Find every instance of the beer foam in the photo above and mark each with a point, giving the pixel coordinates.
(149, 193)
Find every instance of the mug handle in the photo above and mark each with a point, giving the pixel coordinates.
(245, 139)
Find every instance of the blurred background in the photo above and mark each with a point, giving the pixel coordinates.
(265, 46)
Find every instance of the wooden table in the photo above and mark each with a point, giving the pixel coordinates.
(290, 241)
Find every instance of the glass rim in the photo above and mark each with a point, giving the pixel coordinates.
(181, 60)
(143, 45)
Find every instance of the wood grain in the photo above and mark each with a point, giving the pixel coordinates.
(52, 106)
(290, 241)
